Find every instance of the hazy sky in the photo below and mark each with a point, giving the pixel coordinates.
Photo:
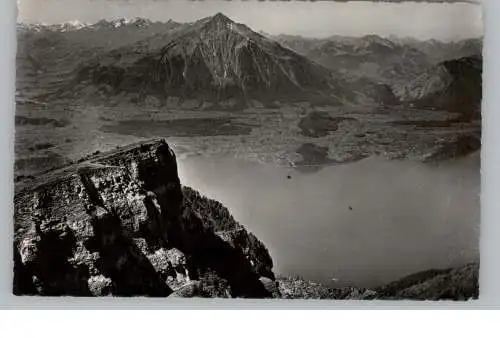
(442, 21)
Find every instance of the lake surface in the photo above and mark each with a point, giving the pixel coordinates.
(364, 223)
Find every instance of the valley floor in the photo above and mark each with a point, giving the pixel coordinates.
(296, 136)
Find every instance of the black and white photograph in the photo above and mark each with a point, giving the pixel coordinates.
(282, 150)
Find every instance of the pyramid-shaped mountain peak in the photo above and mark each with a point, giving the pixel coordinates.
(219, 17)
(221, 24)
(217, 59)
(218, 20)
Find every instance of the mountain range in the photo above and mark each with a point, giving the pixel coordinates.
(218, 61)
(214, 59)
(388, 60)
(47, 56)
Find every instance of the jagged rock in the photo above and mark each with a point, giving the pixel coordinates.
(271, 286)
(28, 249)
(189, 290)
(100, 285)
(117, 223)
(161, 263)
(298, 288)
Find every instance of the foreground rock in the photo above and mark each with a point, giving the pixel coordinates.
(119, 224)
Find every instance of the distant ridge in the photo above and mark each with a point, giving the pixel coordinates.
(390, 60)
(453, 85)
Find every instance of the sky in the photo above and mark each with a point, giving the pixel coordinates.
(442, 21)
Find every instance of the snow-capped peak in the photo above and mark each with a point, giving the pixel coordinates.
(77, 24)
(140, 22)
(72, 25)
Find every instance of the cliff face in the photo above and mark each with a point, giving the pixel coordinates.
(119, 223)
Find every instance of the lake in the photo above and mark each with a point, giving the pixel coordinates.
(364, 223)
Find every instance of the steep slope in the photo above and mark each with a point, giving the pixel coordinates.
(211, 60)
(454, 85)
(119, 223)
(450, 284)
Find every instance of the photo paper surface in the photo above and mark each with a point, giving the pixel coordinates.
(248, 149)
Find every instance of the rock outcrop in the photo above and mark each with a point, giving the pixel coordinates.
(298, 288)
(119, 223)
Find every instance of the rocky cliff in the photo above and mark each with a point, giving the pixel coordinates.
(119, 223)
